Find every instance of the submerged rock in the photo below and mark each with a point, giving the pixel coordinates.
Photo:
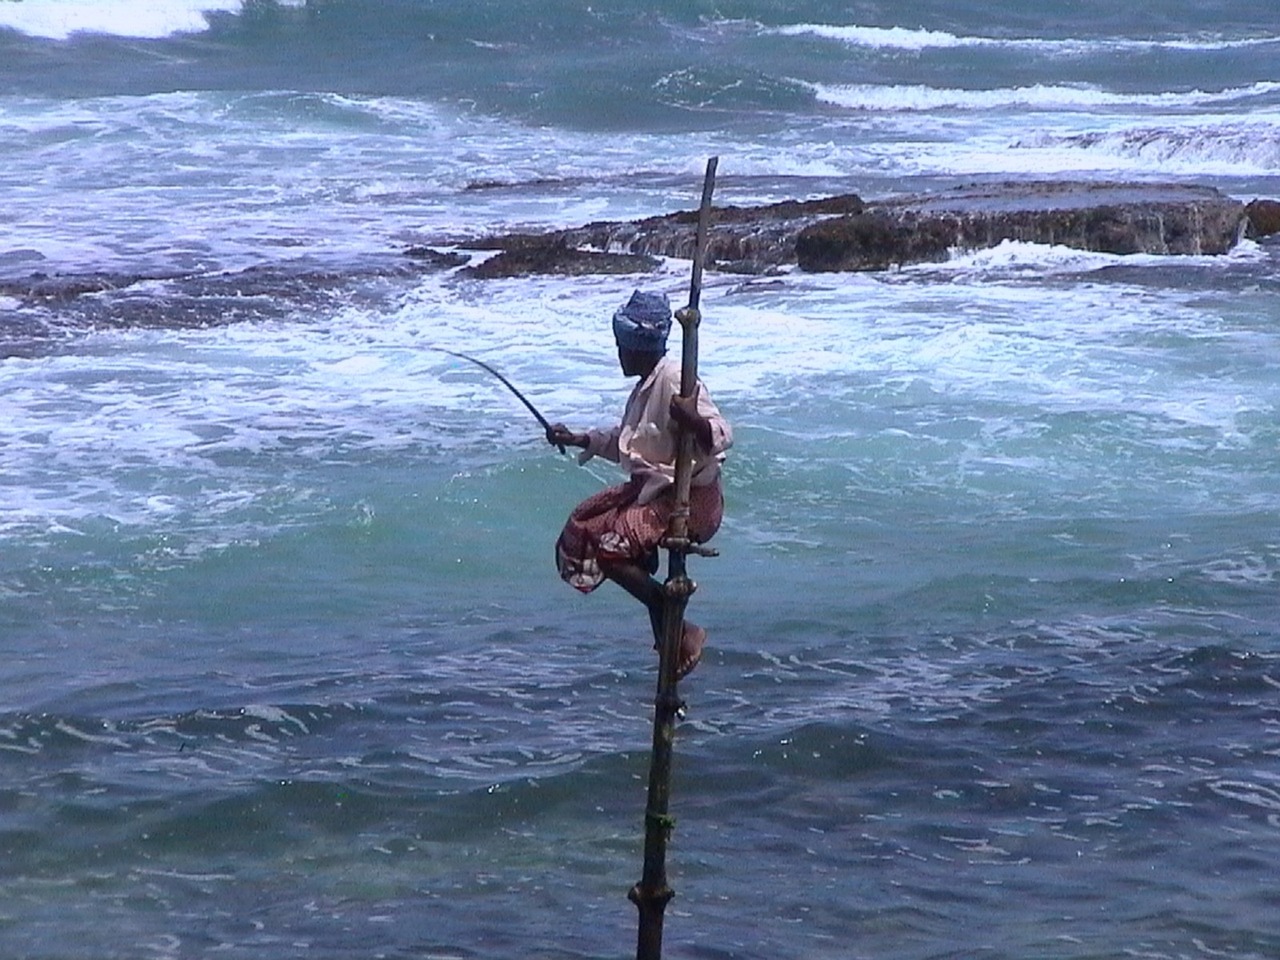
(522, 254)
(437, 259)
(847, 233)
(180, 299)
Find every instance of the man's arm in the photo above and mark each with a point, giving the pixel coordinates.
(558, 435)
(594, 443)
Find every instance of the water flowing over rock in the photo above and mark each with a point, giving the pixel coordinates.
(176, 299)
(521, 254)
(847, 233)
(1100, 217)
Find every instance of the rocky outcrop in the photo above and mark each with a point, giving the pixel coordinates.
(848, 233)
(1264, 218)
(872, 241)
(1102, 217)
(740, 239)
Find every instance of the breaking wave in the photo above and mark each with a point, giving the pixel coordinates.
(902, 38)
(61, 19)
(879, 98)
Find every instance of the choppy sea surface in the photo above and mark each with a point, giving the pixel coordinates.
(994, 661)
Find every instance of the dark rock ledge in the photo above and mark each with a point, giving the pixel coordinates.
(1264, 218)
(847, 233)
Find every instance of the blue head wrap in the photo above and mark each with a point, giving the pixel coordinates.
(643, 322)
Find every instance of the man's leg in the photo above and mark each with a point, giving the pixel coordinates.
(636, 581)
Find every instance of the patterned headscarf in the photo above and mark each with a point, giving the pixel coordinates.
(643, 322)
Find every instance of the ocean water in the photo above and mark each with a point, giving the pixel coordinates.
(994, 660)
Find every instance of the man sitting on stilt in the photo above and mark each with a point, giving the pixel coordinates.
(615, 534)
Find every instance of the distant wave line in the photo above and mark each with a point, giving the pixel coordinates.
(903, 38)
(60, 19)
(918, 97)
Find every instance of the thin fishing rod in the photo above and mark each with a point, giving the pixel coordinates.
(546, 424)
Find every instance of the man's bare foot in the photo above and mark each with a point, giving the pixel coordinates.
(692, 640)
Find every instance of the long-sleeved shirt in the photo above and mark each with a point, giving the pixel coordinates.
(644, 443)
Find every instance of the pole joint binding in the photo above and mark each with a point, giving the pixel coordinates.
(689, 316)
(659, 897)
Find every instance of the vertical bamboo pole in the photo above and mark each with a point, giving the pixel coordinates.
(652, 893)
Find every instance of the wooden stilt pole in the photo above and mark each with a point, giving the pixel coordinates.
(652, 893)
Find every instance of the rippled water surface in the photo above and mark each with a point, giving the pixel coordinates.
(993, 668)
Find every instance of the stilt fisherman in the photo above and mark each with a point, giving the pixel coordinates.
(615, 534)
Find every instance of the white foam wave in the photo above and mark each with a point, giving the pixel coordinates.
(1041, 157)
(101, 162)
(60, 19)
(1041, 97)
(901, 38)
(1224, 148)
(259, 411)
(1016, 258)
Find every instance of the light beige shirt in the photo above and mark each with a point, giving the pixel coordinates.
(644, 443)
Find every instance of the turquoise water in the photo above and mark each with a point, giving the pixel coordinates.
(993, 660)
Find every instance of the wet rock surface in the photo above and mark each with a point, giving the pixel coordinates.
(1119, 218)
(1264, 218)
(847, 233)
(753, 240)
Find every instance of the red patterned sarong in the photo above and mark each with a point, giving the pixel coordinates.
(611, 526)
